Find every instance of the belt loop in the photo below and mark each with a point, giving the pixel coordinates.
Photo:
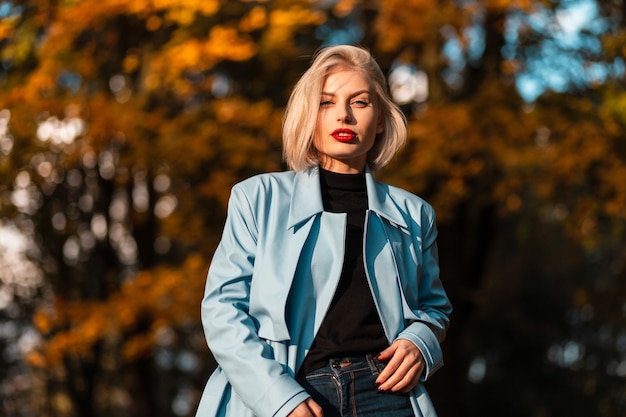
(372, 364)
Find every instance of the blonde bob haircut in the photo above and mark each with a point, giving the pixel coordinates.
(300, 118)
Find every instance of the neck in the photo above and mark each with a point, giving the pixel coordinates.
(341, 167)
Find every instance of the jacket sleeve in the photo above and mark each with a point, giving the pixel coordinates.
(434, 308)
(263, 384)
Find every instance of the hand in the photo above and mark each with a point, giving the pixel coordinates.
(307, 408)
(404, 367)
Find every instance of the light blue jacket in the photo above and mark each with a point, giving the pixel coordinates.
(274, 274)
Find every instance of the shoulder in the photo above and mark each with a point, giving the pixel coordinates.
(263, 191)
(266, 182)
(410, 205)
(404, 197)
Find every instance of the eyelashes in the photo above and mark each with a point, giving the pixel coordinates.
(359, 103)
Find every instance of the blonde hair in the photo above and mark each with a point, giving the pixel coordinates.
(300, 116)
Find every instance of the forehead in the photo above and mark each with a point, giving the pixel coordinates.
(346, 80)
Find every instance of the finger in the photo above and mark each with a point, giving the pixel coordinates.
(315, 408)
(410, 375)
(405, 379)
(395, 377)
(302, 410)
(387, 353)
(404, 376)
(390, 368)
(405, 389)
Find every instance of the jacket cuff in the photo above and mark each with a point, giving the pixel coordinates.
(284, 392)
(426, 341)
(290, 405)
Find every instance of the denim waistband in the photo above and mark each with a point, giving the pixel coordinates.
(351, 363)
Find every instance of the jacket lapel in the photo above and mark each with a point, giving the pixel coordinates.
(380, 262)
(284, 248)
(317, 269)
(306, 198)
(379, 201)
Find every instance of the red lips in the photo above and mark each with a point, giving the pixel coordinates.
(343, 135)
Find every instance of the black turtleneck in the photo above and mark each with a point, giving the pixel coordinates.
(351, 326)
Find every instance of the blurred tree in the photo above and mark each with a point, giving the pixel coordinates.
(123, 125)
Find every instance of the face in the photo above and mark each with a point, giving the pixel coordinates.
(348, 121)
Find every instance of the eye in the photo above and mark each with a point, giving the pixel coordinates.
(360, 102)
(325, 103)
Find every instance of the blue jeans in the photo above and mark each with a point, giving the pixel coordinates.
(346, 387)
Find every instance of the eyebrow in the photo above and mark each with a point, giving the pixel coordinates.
(357, 93)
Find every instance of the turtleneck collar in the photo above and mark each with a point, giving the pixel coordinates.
(344, 182)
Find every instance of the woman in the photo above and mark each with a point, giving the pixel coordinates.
(323, 296)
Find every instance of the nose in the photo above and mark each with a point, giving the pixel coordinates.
(343, 114)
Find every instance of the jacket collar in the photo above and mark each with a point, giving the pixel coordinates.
(306, 198)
